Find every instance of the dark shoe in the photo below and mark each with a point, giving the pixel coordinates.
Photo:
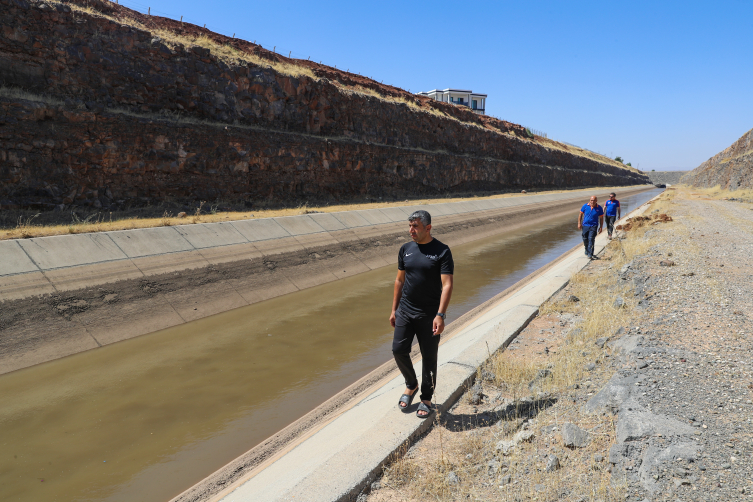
(407, 399)
(425, 408)
(594, 257)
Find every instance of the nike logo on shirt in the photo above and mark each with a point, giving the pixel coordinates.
(408, 254)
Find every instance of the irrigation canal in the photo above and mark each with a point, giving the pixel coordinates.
(146, 418)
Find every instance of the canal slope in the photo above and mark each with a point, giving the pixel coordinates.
(66, 294)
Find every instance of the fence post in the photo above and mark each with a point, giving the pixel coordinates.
(149, 11)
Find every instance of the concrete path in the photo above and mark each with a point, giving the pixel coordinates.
(336, 462)
(32, 267)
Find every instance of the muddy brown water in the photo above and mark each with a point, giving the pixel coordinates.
(146, 418)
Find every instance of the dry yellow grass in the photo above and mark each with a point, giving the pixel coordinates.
(716, 193)
(581, 152)
(16, 93)
(411, 103)
(104, 222)
(170, 38)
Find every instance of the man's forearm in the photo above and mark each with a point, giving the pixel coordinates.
(444, 301)
(398, 293)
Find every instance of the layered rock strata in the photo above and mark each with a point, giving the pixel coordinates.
(97, 110)
(731, 168)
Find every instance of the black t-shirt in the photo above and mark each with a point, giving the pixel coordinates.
(423, 264)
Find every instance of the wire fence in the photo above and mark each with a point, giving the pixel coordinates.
(587, 149)
(536, 132)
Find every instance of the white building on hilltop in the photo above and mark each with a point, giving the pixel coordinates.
(473, 100)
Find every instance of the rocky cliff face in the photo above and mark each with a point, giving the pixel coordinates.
(666, 177)
(731, 169)
(101, 105)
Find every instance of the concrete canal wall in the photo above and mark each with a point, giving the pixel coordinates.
(65, 294)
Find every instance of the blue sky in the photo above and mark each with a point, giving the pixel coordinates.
(665, 85)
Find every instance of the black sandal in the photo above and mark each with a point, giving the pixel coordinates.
(425, 408)
(407, 399)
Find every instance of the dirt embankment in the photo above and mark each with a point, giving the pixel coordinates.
(634, 381)
(730, 169)
(105, 108)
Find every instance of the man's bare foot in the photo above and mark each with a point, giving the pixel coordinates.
(422, 413)
(407, 392)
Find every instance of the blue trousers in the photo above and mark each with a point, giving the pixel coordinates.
(589, 237)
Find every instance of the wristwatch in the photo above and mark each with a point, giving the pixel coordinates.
(443, 316)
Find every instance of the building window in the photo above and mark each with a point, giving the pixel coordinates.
(475, 104)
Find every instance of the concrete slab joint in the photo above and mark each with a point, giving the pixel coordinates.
(48, 253)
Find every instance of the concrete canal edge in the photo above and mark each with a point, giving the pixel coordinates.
(67, 294)
(337, 458)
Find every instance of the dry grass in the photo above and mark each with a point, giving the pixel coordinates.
(99, 222)
(16, 93)
(598, 316)
(413, 104)
(25, 227)
(231, 55)
(224, 52)
(581, 152)
(717, 193)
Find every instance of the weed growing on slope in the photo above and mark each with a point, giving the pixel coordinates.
(24, 228)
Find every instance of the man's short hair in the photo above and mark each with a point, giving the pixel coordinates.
(613, 194)
(422, 215)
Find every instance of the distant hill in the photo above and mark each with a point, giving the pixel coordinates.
(731, 169)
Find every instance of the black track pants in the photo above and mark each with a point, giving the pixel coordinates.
(610, 223)
(405, 330)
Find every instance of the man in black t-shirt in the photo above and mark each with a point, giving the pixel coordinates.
(422, 293)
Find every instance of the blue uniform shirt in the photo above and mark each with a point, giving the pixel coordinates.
(591, 215)
(610, 207)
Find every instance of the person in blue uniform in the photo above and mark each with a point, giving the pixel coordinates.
(611, 213)
(423, 288)
(590, 217)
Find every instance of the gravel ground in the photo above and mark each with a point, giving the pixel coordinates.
(688, 352)
(660, 407)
